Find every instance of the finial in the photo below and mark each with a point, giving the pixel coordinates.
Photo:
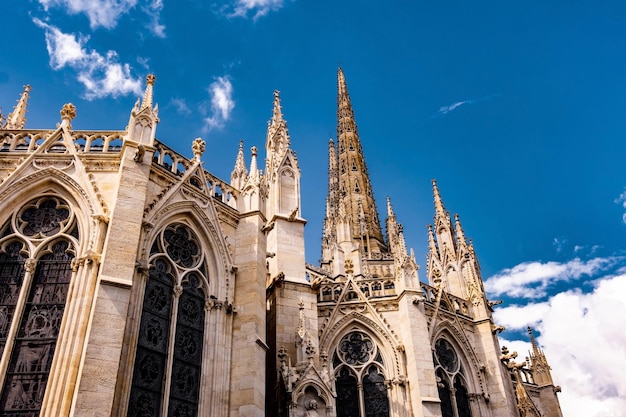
(438, 203)
(17, 119)
(68, 113)
(147, 96)
(198, 146)
(459, 230)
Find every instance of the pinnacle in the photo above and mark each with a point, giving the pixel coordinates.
(147, 96)
(17, 119)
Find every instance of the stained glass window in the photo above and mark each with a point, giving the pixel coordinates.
(175, 251)
(44, 291)
(152, 348)
(360, 380)
(347, 394)
(452, 389)
(33, 350)
(11, 276)
(186, 370)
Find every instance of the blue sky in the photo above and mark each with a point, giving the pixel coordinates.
(516, 108)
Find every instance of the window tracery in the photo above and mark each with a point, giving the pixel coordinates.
(360, 381)
(174, 301)
(45, 226)
(450, 381)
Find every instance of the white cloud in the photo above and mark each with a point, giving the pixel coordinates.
(258, 8)
(222, 103)
(101, 13)
(107, 13)
(443, 110)
(101, 75)
(451, 107)
(532, 279)
(180, 105)
(153, 10)
(622, 200)
(582, 335)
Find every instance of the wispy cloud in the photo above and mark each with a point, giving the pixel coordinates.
(443, 110)
(180, 105)
(153, 10)
(256, 8)
(107, 13)
(532, 279)
(622, 200)
(102, 75)
(101, 13)
(222, 103)
(583, 337)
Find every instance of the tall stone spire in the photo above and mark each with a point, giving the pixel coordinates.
(354, 183)
(17, 119)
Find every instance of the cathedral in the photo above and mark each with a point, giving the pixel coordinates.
(135, 282)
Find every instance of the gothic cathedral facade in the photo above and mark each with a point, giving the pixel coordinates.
(134, 282)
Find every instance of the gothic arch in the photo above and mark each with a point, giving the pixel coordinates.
(52, 181)
(220, 265)
(357, 321)
(465, 352)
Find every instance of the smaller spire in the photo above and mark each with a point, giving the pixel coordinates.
(432, 246)
(147, 96)
(459, 231)
(17, 119)
(390, 212)
(253, 163)
(240, 163)
(438, 203)
(277, 114)
(533, 342)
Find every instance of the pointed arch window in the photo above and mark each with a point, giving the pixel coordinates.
(360, 380)
(168, 360)
(33, 293)
(451, 382)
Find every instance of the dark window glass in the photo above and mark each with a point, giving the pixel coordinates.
(444, 395)
(347, 394)
(11, 276)
(33, 350)
(187, 366)
(151, 357)
(375, 394)
(462, 400)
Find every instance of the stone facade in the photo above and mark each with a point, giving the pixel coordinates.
(133, 282)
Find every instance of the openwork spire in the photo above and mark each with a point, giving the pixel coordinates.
(17, 118)
(354, 183)
(147, 96)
